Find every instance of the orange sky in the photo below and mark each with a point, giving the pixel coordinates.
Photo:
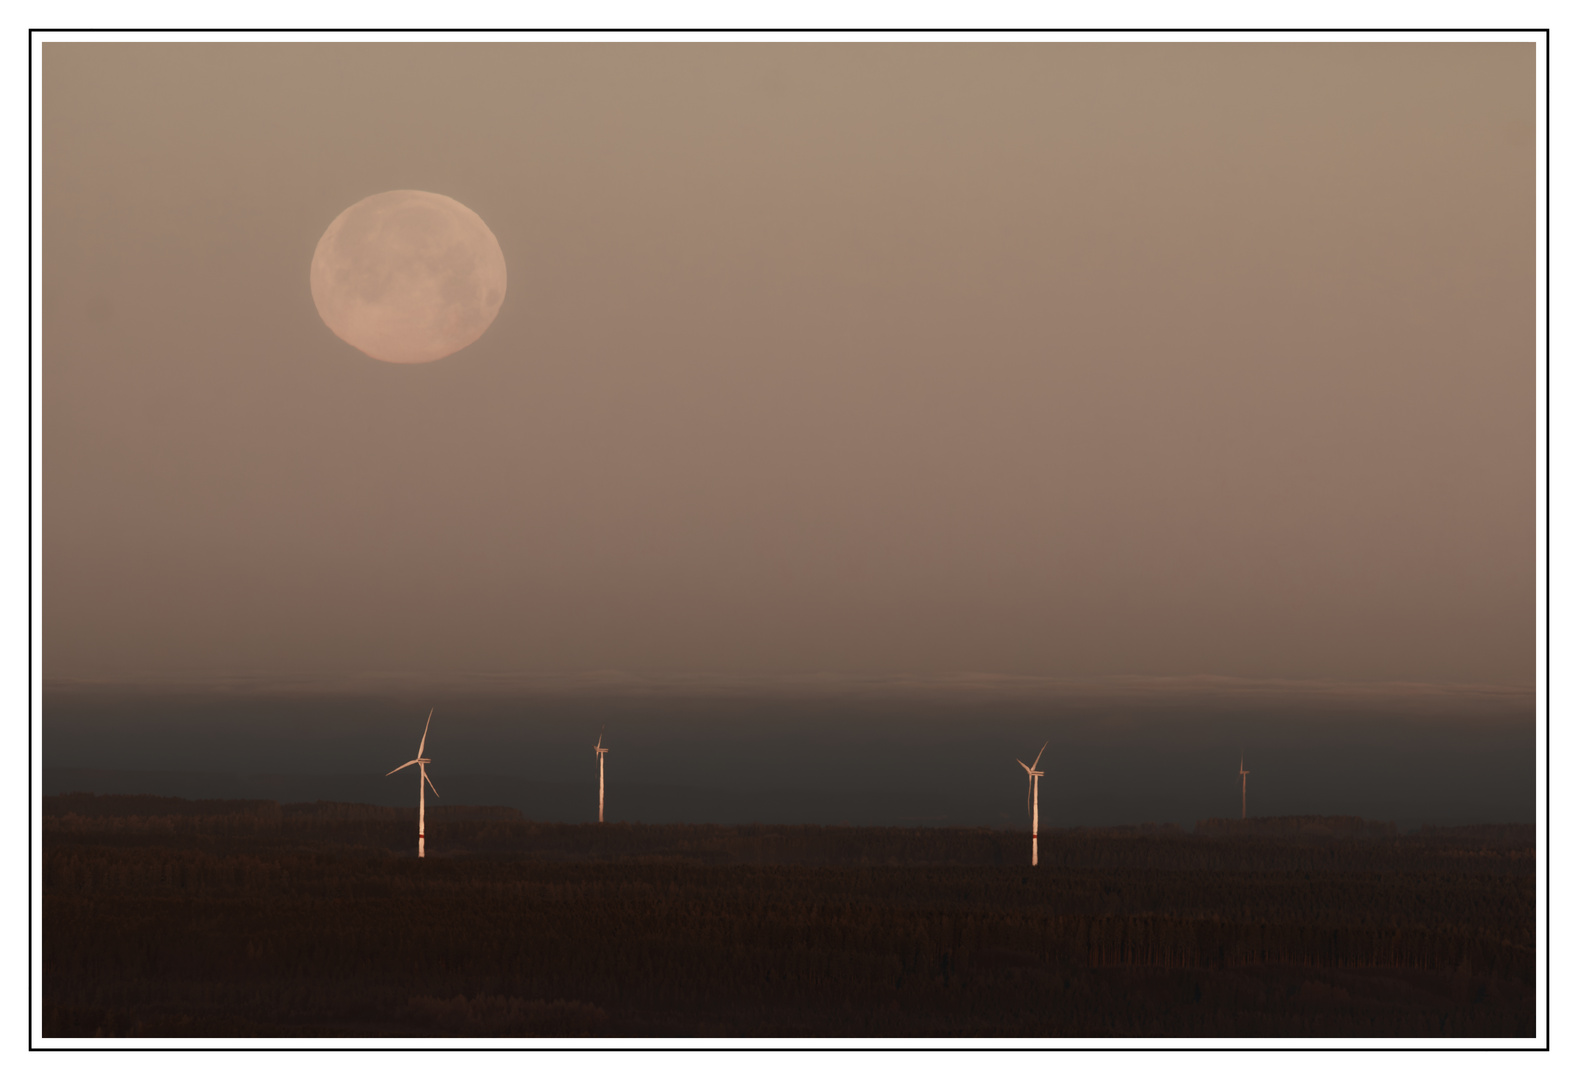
(1059, 360)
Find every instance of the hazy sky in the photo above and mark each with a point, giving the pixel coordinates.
(1043, 359)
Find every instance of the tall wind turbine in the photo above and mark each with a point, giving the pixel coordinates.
(421, 792)
(1243, 779)
(1033, 803)
(601, 750)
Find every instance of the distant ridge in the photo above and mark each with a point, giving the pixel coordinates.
(1299, 825)
(81, 804)
(1513, 833)
(88, 805)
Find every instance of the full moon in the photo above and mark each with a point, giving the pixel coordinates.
(408, 276)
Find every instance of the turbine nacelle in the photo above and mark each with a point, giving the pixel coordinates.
(413, 761)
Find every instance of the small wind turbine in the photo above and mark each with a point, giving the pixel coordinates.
(601, 750)
(421, 792)
(1033, 802)
(1243, 779)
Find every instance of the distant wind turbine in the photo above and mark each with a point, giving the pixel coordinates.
(1243, 779)
(1033, 803)
(601, 750)
(421, 792)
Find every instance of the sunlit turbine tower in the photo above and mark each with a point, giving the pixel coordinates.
(1033, 803)
(601, 750)
(421, 792)
(1243, 779)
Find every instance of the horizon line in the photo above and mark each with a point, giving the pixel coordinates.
(634, 682)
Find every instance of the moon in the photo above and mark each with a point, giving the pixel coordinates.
(408, 277)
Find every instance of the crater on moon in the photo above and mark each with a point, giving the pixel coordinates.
(408, 276)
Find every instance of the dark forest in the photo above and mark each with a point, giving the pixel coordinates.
(169, 917)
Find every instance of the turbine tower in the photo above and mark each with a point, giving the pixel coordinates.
(421, 792)
(601, 750)
(1033, 803)
(1243, 780)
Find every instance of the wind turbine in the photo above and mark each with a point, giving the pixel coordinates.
(1243, 779)
(601, 750)
(421, 792)
(1033, 802)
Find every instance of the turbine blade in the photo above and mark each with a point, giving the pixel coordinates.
(1043, 750)
(407, 765)
(423, 744)
(1023, 766)
(430, 784)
